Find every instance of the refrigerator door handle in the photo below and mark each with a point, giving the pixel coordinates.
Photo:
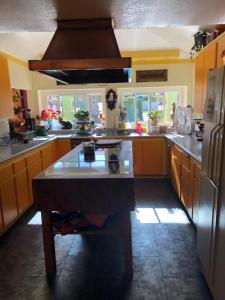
(210, 148)
(211, 170)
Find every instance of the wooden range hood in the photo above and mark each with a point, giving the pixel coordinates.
(84, 51)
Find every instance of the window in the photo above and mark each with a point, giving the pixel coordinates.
(139, 103)
(68, 103)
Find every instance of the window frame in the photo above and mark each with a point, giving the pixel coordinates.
(43, 96)
(147, 90)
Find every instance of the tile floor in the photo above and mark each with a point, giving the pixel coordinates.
(164, 257)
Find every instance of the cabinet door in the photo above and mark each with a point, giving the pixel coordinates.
(217, 252)
(138, 157)
(196, 192)
(1, 220)
(210, 56)
(62, 146)
(6, 105)
(198, 101)
(47, 156)
(221, 48)
(176, 169)
(21, 185)
(34, 167)
(7, 195)
(153, 157)
(186, 189)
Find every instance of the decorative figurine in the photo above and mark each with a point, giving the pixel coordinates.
(111, 98)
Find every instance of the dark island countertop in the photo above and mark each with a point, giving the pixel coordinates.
(110, 162)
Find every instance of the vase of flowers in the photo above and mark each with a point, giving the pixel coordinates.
(47, 116)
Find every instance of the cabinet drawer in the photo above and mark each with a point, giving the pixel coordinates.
(33, 158)
(19, 166)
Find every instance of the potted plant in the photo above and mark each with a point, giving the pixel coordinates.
(82, 115)
(154, 117)
(200, 41)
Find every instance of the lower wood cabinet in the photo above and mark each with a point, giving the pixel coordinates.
(21, 184)
(7, 194)
(186, 189)
(34, 167)
(176, 169)
(47, 155)
(1, 220)
(185, 177)
(62, 146)
(16, 194)
(150, 156)
(196, 191)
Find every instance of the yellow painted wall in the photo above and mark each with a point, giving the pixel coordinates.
(20, 76)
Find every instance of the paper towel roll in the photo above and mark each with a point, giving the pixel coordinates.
(4, 127)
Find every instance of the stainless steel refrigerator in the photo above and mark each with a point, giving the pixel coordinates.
(211, 223)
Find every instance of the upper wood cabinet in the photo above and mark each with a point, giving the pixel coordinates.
(198, 83)
(221, 47)
(205, 61)
(210, 57)
(6, 105)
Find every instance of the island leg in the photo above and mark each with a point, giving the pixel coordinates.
(49, 244)
(128, 260)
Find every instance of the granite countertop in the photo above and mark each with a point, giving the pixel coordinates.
(14, 149)
(185, 142)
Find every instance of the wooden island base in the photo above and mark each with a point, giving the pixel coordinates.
(121, 227)
(104, 186)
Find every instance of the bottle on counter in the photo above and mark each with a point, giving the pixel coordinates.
(28, 114)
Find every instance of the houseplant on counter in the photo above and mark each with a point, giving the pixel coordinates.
(154, 119)
(82, 115)
(83, 125)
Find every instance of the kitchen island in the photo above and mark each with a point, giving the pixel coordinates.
(102, 185)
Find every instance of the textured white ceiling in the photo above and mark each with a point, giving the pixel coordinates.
(40, 15)
(29, 45)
